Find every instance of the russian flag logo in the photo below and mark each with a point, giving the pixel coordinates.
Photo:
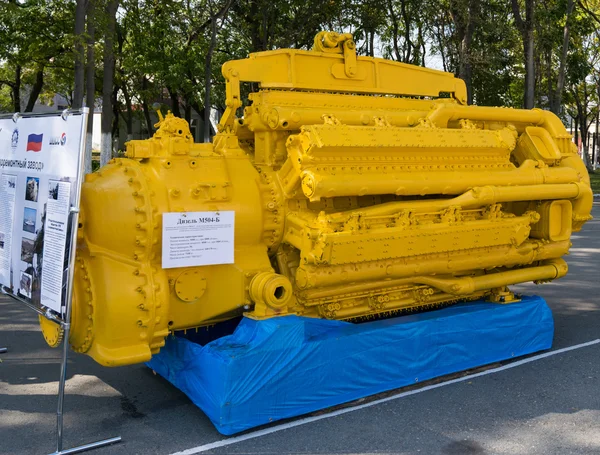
(34, 142)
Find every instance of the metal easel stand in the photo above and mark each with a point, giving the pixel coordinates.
(61, 399)
(66, 322)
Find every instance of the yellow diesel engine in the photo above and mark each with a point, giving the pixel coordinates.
(360, 186)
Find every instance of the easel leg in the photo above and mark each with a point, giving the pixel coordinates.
(91, 445)
(61, 389)
(61, 401)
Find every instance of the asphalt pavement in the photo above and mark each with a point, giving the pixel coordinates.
(547, 406)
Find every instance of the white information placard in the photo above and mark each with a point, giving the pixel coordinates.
(197, 238)
(39, 173)
(55, 242)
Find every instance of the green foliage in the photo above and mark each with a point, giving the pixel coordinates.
(494, 58)
(162, 46)
(35, 36)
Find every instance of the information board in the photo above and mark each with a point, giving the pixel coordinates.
(197, 238)
(40, 162)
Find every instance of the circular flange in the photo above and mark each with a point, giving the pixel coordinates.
(53, 333)
(190, 286)
(271, 289)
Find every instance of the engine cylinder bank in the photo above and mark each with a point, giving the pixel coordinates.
(359, 189)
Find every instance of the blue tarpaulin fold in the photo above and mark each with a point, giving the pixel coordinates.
(287, 366)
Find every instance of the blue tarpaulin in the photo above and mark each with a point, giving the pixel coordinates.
(287, 366)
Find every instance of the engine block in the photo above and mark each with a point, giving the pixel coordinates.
(361, 187)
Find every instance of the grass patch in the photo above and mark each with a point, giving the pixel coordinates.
(595, 181)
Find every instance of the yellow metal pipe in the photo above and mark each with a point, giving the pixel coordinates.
(308, 276)
(582, 206)
(459, 286)
(356, 288)
(477, 197)
(444, 113)
(317, 185)
(360, 288)
(292, 118)
(556, 268)
(552, 270)
(526, 253)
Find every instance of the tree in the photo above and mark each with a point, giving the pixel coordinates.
(405, 33)
(79, 54)
(465, 14)
(215, 16)
(526, 28)
(107, 83)
(557, 99)
(90, 82)
(35, 38)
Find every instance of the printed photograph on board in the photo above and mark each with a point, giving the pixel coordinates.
(25, 285)
(32, 189)
(29, 217)
(27, 249)
(31, 254)
(53, 189)
(11, 183)
(35, 266)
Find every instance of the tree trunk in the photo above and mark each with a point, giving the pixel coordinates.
(549, 79)
(16, 90)
(528, 48)
(596, 142)
(149, 123)
(208, 77)
(464, 19)
(36, 89)
(395, 29)
(423, 47)
(593, 150)
(407, 22)
(265, 29)
(174, 102)
(465, 71)
(584, 137)
(187, 112)
(208, 65)
(526, 27)
(583, 130)
(90, 84)
(79, 54)
(252, 19)
(129, 109)
(556, 108)
(439, 28)
(107, 83)
(115, 116)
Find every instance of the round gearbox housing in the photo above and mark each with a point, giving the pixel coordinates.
(125, 303)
